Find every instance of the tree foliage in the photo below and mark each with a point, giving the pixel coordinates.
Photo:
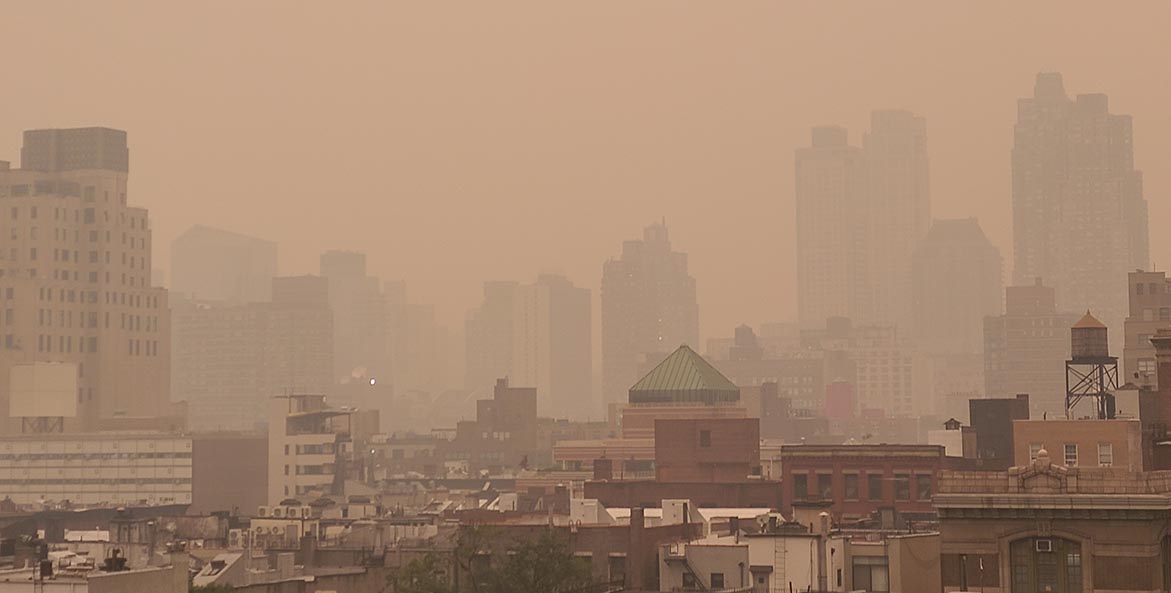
(544, 564)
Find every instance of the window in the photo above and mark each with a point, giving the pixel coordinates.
(1164, 313)
(1034, 450)
(870, 574)
(874, 487)
(825, 486)
(851, 486)
(923, 487)
(717, 580)
(1146, 366)
(800, 486)
(705, 438)
(1070, 454)
(689, 583)
(902, 487)
(1105, 454)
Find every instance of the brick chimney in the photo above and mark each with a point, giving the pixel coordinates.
(635, 552)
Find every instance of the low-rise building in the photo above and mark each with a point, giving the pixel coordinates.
(859, 480)
(1048, 527)
(308, 447)
(1080, 443)
(97, 468)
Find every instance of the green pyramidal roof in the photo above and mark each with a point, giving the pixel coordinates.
(684, 377)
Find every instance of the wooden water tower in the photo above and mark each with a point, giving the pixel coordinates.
(1090, 373)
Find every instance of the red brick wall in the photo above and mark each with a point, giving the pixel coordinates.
(730, 452)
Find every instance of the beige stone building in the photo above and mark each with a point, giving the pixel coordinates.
(75, 276)
(1048, 527)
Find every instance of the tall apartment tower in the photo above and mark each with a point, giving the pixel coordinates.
(649, 309)
(359, 316)
(899, 213)
(231, 358)
(552, 348)
(860, 214)
(1079, 216)
(957, 282)
(488, 335)
(1150, 311)
(832, 279)
(537, 335)
(210, 264)
(75, 270)
(1025, 349)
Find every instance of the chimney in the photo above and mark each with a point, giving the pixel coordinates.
(603, 469)
(635, 551)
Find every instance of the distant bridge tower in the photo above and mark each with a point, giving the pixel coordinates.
(1091, 373)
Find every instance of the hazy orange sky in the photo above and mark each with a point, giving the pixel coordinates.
(458, 142)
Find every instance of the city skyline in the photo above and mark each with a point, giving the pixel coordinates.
(744, 154)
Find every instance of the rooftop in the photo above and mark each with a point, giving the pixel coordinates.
(684, 376)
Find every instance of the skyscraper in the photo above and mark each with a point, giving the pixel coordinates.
(1079, 216)
(231, 358)
(832, 278)
(537, 335)
(860, 214)
(648, 308)
(359, 316)
(957, 282)
(75, 267)
(210, 264)
(899, 212)
(488, 335)
(552, 347)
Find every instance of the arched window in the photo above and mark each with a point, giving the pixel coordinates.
(1046, 564)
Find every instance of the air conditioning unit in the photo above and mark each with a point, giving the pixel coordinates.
(278, 530)
(306, 512)
(264, 512)
(278, 512)
(235, 539)
(261, 530)
(1044, 545)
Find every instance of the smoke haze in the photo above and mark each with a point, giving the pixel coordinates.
(456, 143)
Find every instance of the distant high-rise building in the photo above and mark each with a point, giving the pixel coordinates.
(75, 149)
(649, 308)
(359, 316)
(75, 267)
(899, 213)
(488, 335)
(229, 359)
(209, 264)
(957, 282)
(1025, 349)
(1079, 216)
(552, 348)
(832, 222)
(537, 335)
(424, 357)
(1150, 311)
(860, 214)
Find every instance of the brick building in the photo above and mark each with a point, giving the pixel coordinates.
(861, 479)
(1047, 527)
(707, 450)
(503, 435)
(1080, 443)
